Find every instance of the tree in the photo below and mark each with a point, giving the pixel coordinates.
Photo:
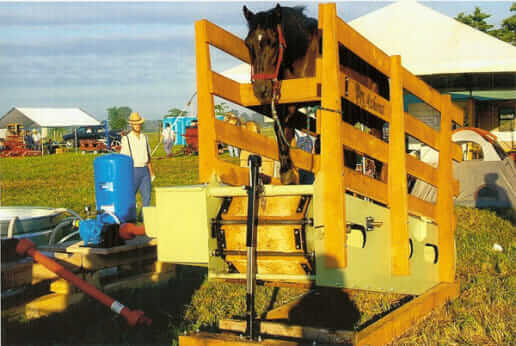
(477, 20)
(117, 117)
(175, 112)
(221, 109)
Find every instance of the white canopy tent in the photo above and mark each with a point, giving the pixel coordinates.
(432, 43)
(48, 117)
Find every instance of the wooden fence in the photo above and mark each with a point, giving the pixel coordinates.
(329, 87)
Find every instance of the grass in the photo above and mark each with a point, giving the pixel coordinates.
(483, 313)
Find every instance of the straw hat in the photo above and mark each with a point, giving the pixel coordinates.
(135, 119)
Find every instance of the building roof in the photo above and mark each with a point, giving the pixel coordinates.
(432, 43)
(48, 117)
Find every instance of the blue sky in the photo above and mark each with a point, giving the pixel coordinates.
(142, 55)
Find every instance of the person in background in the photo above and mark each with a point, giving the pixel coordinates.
(169, 137)
(305, 143)
(233, 120)
(29, 143)
(36, 139)
(136, 145)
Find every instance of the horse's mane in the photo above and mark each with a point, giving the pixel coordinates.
(297, 29)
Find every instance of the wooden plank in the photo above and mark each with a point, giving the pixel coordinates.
(407, 316)
(261, 145)
(362, 47)
(364, 143)
(225, 41)
(275, 329)
(420, 207)
(364, 98)
(457, 114)
(208, 151)
(232, 174)
(444, 207)
(331, 187)
(421, 131)
(226, 88)
(422, 90)
(226, 339)
(421, 170)
(292, 91)
(365, 185)
(397, 182)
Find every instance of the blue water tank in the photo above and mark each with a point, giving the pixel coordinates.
(114, 186)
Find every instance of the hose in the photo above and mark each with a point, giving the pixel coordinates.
(68, 236)
(117, 220)
(64, 223)
(134, 317)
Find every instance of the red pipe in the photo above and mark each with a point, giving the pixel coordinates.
(130, 230)
(133, 317)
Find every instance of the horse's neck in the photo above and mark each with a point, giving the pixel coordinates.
(305, 65)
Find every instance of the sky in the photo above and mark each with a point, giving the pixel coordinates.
(97, 55)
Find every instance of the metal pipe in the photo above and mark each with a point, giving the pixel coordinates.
(130, 230)
(254, 163)
(134, 317)
(303, 221)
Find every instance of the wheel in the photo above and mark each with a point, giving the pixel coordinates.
(115, 143)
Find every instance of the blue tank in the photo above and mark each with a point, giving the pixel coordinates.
(114, 186)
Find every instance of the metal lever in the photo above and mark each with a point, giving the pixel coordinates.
(254, 189)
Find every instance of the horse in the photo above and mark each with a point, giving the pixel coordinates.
(284, 43)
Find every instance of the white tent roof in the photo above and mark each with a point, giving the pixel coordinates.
(239, 73)
(55, 117)
(432, 43)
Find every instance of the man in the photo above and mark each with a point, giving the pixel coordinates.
(305, 143)
(36, 139)
(169, 138)
(136, 145)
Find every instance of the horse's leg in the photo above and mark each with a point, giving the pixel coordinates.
(288, 173)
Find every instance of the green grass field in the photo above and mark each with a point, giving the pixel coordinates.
(483, 314)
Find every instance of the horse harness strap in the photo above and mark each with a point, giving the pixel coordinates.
(272, 76)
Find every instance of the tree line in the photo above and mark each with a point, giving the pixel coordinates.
(477, 20)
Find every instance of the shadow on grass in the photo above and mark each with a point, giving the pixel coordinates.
(90, 322)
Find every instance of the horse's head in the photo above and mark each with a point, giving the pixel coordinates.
(264, 41)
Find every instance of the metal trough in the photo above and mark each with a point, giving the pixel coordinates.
(35, 223)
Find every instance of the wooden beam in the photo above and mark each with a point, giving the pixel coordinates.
(365, 185)
(407, 316)
(226, 88)
(332, 151)
(421, 90)
(421, 170)
(292, 91)
(364, 98)
(444, 212)
(420, 207)
(275, 329)
(397, 181)
(362, 47)
(256, 143)
(225, 41)
(227, 339)
(232, 174)
(421, 131)
(364, 143)
(208, 151)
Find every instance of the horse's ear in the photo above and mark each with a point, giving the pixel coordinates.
(277, 13)
(248, 14)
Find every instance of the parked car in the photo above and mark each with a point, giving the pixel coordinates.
(92, 132)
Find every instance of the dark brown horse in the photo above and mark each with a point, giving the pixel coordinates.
(283, 44)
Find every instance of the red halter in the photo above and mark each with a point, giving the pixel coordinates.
(273, 76)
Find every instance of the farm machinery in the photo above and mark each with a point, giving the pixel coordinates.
(14, 143)
(42, 258)
(348, 231)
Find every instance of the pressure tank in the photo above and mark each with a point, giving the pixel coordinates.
(114, 186)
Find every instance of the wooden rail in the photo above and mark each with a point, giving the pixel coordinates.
(330, 86)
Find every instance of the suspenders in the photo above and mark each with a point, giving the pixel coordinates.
(146, 146)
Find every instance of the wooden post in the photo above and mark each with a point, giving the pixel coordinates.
(445, 213)
(208, 154)
(397, 179)
(332, 151)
